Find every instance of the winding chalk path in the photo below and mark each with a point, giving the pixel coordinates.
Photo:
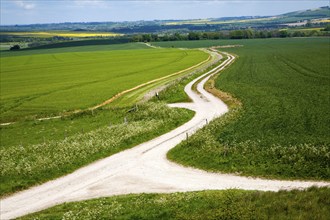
(145, 168)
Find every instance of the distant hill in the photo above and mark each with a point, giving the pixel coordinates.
(322, 12)
(182, 26)
(292, 17)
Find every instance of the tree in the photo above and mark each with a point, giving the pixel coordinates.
(237, 34)
(154, 37)
(327, 28)
(146, 38)
(262, 34)
(137, 38)
(297, 34)
(194, 36)
(283, 33)
(248, 34)
(15, 47)
(165, 37)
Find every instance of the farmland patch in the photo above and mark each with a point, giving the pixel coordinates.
(281, 130)
(35, 86)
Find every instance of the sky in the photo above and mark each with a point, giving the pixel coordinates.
(58, 11)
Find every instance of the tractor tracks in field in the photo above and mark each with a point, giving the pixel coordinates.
(145, 168)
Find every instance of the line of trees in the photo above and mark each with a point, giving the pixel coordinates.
(236, 34)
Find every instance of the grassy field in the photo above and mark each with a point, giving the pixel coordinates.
(43, 82)
(282, 130)
(272, 135)
(39, 85)
(250, 43)
(34, 132)
(34, 152)
(312, 203)
(75, 46)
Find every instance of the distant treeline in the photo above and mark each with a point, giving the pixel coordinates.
(236, 34)
(114, 40)
(58, 42)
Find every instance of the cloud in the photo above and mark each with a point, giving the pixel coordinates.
(27, 5)
(90, 2)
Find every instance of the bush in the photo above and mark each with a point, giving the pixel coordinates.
(15, 47)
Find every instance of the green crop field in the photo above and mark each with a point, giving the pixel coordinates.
(74, 46)
(312, 203)
(36, 83)
(39, 85)
(282, 129)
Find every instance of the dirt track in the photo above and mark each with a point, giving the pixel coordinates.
(144, 168)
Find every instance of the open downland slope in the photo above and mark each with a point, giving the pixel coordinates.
(48, 84)
(282, 129)
(51, 81)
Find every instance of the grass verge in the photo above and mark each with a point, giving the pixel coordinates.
(23, 165)
(174, 92)
(312, 203)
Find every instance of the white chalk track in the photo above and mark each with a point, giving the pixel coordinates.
(144, 168)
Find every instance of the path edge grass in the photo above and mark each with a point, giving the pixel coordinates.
(311, 203)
